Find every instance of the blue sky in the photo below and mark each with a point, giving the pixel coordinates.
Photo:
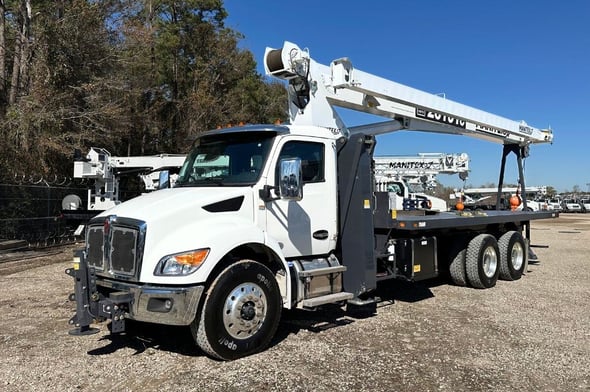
(524, 60)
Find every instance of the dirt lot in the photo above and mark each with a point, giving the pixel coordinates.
(528, 335)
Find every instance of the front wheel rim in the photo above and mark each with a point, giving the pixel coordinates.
(244, 311)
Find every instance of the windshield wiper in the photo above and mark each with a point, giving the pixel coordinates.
(214, 180)
(192, 181)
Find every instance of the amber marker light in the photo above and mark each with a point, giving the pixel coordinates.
(181, 264)
(194, 258)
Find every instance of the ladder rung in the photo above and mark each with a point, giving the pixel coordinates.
(326, 299)
(322, 271)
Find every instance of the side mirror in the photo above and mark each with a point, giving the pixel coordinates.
(164, 179)
(290, 179)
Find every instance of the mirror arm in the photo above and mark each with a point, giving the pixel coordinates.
(265, 194)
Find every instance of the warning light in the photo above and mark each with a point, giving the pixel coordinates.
(514, 202)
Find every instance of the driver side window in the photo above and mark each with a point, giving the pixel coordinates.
(312, 159)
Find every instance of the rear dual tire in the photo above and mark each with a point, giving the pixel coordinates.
(457, 268)
(513, 255)
(481, 261)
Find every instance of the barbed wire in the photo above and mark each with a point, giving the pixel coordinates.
(31, 209)
(16, 178)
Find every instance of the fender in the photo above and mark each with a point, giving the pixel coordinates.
(221, 235)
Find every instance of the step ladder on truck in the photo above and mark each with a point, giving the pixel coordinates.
(270, 217)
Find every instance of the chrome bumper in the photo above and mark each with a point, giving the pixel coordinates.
(156, 304)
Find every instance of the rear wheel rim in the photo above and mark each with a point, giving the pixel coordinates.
(490, 262)
(517, 256)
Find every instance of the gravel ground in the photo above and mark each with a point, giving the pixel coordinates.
(528, 335)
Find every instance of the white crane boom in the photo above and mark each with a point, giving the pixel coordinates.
(538, 190)
(105, 170)
(315, 90)
(421, 164)
(421, 169)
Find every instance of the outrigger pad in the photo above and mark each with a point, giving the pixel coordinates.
(82, 331)
(533, 259)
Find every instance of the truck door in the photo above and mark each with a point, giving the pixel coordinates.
(307, 226)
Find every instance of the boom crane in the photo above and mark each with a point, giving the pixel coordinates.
(316, 90)
(408, 176)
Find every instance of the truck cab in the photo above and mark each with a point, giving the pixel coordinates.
(401, 191)
(253, 195)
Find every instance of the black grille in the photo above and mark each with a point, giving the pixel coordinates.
(123, 250)
(118, 252)
(95, 244)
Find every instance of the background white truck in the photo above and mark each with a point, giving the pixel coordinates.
(271, 217)
(107, 170)
(409, 176)
(475, 198)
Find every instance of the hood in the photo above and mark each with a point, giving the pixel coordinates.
(185, 203)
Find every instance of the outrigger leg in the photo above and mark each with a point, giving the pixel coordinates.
(91, 306)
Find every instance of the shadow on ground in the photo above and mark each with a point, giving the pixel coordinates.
(141, 336)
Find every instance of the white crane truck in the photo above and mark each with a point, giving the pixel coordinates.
(106, 170)
(407, 176)
(270, 217)
(423, 168)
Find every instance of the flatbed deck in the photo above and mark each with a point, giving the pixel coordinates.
(466, 219)
(427, 220)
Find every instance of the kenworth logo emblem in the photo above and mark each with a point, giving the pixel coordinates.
(108, 221)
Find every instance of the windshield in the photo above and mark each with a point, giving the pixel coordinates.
(234, 159)
(416, 188)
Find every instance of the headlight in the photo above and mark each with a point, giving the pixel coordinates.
(181, 263)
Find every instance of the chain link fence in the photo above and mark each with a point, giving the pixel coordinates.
(31, 209)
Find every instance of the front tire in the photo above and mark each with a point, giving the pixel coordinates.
(481, 261)
(513, 255)
(241, 312)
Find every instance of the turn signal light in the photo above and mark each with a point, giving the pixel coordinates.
(194, 258)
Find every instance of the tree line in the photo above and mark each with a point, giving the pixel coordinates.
(135, 77)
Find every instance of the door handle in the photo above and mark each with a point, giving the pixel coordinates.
(320, 234)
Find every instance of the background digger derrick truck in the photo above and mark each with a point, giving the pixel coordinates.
(422, 169)
(266, 217)
(106, 171)
(407, 177)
